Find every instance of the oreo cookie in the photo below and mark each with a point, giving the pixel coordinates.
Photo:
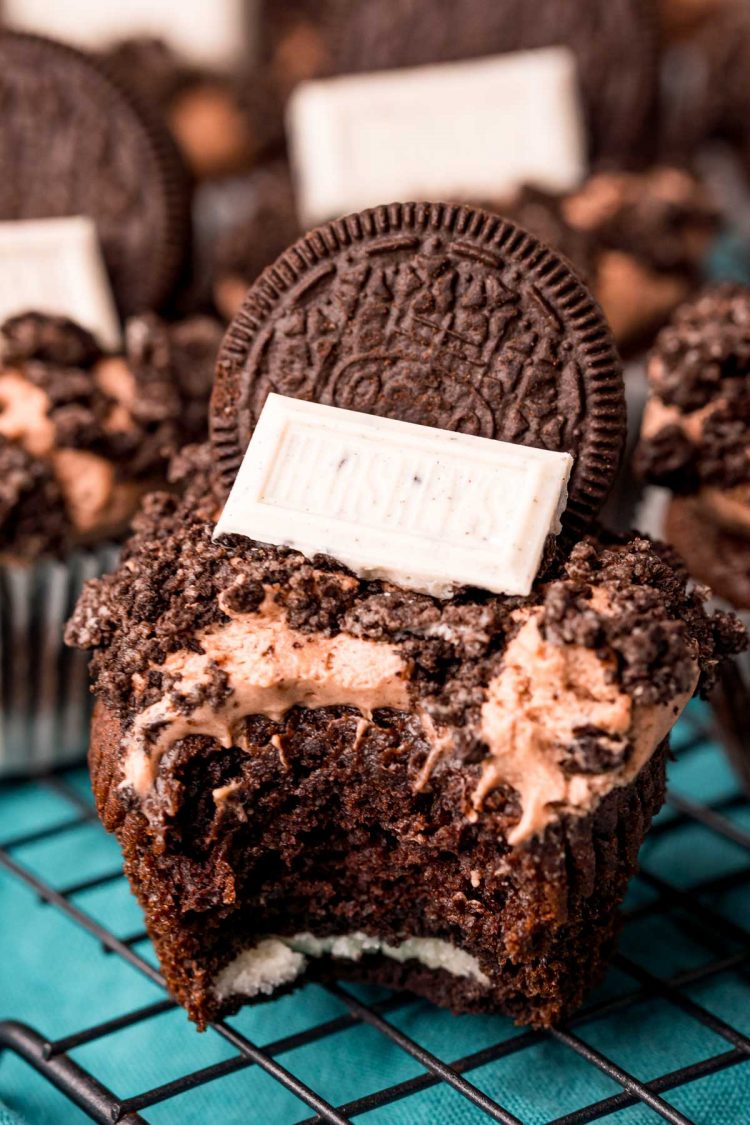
(437, 314)
(73, 141)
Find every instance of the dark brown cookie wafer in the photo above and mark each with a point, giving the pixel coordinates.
(74, 142)
(435, 314)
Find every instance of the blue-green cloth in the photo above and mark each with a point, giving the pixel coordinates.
(55, 976)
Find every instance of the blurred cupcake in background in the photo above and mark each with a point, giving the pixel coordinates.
(639, 240)
(97, 391)
(695, 445)
(83, 434)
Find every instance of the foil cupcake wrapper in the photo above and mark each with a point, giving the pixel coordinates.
(45, 704)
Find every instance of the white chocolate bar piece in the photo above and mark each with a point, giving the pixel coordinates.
(453, 131)
(55, 266)
(208, 32)
(426, 509)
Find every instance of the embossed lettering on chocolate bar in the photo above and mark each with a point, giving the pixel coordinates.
(427, 509)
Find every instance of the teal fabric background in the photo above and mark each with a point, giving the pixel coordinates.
(55, 976)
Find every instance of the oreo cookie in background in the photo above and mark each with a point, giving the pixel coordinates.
(436, 314)
(75, 141)
(616, 44)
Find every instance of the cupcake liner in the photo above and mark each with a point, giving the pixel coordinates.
(45, 704)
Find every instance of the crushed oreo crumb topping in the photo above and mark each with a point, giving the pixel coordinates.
(701, 362)
(168, 371)
(175, 581)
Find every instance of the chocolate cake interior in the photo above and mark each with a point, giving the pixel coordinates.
(316, 836)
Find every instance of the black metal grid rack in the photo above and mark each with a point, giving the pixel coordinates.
(725, 943)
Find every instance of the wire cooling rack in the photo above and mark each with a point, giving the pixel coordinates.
(657, 994)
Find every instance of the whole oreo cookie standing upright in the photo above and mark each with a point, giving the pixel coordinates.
(73, 141)
(437, 314)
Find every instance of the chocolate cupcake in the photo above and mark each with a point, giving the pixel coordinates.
(695, 442)
(83, 435)
(313, 773)
(639, 241)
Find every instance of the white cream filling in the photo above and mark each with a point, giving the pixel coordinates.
(259, 970)
(276, 961)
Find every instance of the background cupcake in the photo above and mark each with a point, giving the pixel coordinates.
(97, 392)
(695, 443)
(83, 434)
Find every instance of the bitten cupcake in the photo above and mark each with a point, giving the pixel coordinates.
(695, 442)
(83, 435)
(317, 770)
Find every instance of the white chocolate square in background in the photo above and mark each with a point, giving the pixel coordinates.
(55, 266)
(212, 33)
(424, 508)
(452, 131)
